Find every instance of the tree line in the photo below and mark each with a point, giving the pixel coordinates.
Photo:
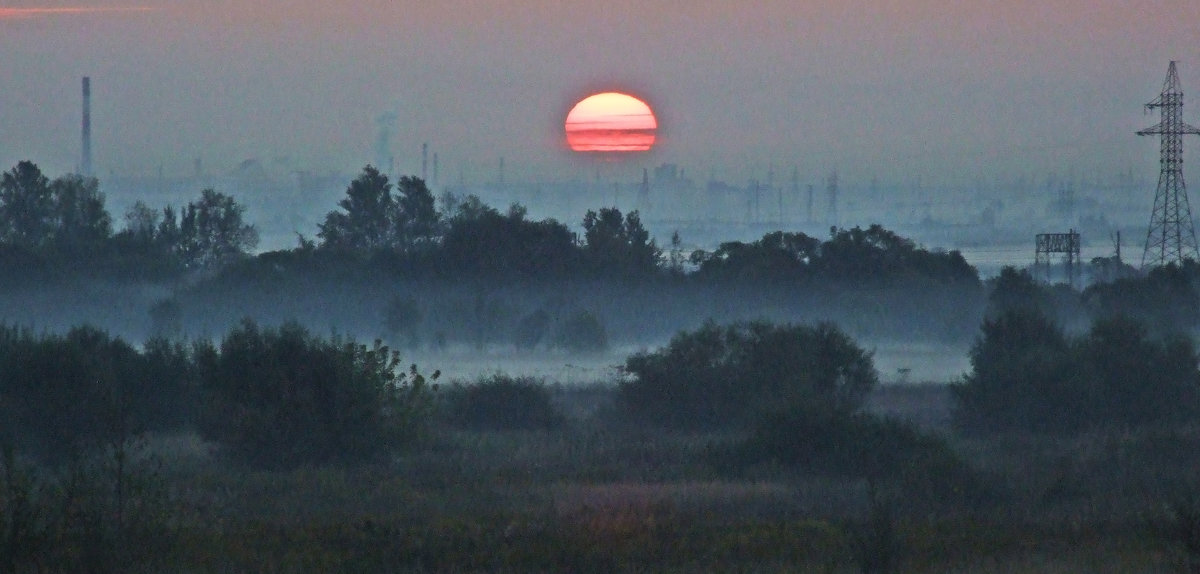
(400, 225)
(65, 220)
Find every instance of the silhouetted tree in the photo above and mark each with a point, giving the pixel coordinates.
(1028, 376)
(67, 213)
(212, 233)
(1167, 298)
(26, 206)
(1133, 379)
(1015, 290)
(881, 257)
(871, 257)
(1109, 269)
(613, 244)
(366, 222)
(777, 257)
(82, 221)
(373, 218)
(416, 221)
(141, 223)
(482, 242)
(1023, 376)
(148, 244)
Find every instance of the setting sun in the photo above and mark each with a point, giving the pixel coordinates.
(611, 122)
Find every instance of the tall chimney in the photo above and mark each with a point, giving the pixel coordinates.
(85, 165)
(424, 162)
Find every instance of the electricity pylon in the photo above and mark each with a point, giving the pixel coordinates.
(1171, 237)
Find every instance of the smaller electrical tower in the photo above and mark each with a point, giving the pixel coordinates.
(1065, 244)
(643, 197)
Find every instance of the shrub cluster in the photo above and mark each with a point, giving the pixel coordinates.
(722, 377)
(581, 332)
(859, 445)
(61, 395)
(271, 398)
(501, 402)
(1028, 375)
(281, 398)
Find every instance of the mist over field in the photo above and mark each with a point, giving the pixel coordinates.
(337, 287)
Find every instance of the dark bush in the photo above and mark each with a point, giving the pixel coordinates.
(1166, 299)
(1017, 291)
(1136, 379)
(284, 398)
(581, 333)
(1023, 376)
(502, 402)
(61, 395)
(864, 446)
(731, 376)
(1028, 376)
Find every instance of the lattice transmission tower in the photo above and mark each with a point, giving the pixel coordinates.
(1171, 237)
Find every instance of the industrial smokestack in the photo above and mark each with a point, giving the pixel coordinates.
(85, 165)
(425, 162)
(435, 171)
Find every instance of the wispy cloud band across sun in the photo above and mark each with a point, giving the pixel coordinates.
(24, 13)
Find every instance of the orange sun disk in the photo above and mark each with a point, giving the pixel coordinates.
(611, 122)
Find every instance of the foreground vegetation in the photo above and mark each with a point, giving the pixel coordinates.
(263, 465)
(592, 497)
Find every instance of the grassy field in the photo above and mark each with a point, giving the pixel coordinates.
(596, 496)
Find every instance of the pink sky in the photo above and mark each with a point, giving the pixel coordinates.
(896, 89)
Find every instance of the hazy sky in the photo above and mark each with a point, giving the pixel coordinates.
(942, 90)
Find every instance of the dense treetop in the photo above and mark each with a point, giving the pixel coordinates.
(874, 256)
(398, 227)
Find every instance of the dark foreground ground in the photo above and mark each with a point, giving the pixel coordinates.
(594, 497)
